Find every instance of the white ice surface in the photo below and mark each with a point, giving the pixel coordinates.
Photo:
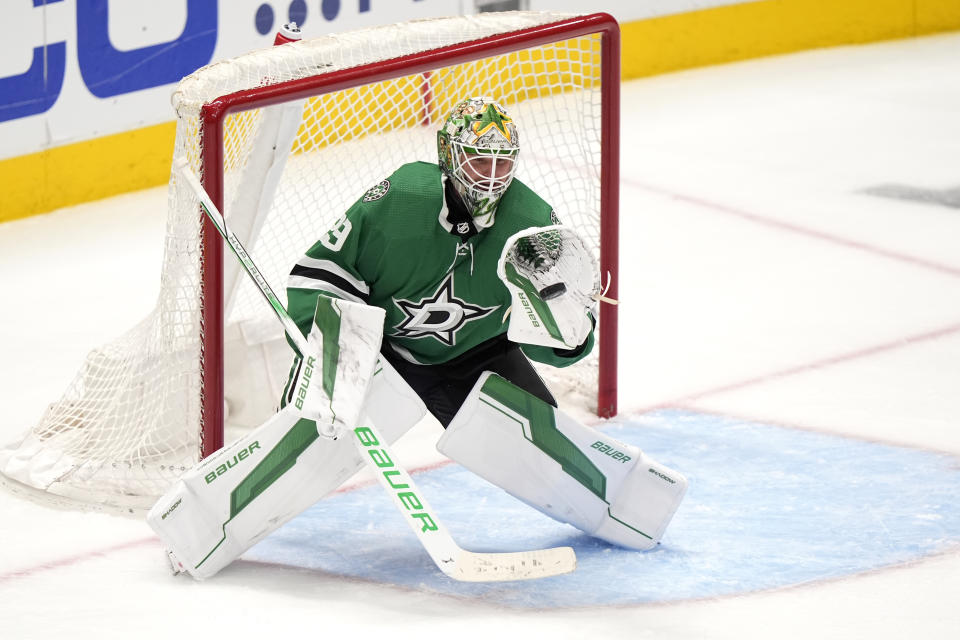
(757, 280)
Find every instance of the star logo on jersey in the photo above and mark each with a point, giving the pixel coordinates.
(377, 191)
(440, 316)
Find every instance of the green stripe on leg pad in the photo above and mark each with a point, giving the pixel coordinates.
(544, 434)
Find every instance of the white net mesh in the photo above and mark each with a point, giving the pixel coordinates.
(130, 422)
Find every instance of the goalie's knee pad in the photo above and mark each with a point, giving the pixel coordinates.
(570, 472)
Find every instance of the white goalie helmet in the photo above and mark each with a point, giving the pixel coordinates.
(478, 147)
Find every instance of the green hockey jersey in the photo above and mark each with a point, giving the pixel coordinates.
(398, 248)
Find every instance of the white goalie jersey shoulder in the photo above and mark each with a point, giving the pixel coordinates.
(554, 281)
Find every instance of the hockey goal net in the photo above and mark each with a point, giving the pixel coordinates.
(285, 140)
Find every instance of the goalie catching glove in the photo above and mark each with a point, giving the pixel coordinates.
(554, 282)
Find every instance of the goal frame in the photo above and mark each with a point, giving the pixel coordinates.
(213, 116)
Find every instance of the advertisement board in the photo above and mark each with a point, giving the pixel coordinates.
(74, 72)
(71, 70)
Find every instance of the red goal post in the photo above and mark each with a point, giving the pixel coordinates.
(214, 114)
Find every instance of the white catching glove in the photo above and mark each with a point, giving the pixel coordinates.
(554, 282)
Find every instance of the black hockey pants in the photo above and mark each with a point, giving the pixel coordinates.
(444, 387)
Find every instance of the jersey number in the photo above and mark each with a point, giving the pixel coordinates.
(335, 238)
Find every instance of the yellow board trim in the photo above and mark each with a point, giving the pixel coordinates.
(85, 171)
(107, 166)
(770, 27)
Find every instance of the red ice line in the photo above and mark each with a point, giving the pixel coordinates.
(786, 226)
(70, 560)
(818, 364)
(853, 244)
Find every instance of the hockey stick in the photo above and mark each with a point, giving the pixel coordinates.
(439, 544)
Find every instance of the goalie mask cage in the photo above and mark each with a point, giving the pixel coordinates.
(285, 140)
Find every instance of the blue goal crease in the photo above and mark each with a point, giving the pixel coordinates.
(768, 507)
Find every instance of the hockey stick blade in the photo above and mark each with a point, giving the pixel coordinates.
(520, 565)
(443, 550)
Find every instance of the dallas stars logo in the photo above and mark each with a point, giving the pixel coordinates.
(439, 316)
(492, 119)
(377, 191)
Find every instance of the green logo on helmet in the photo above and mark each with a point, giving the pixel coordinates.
(492, 118)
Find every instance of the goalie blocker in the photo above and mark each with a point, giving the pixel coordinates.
(570, 472)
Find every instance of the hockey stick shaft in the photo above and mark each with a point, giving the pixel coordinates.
(213, 213)
(439, 544)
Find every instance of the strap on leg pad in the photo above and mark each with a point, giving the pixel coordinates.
(570, 472)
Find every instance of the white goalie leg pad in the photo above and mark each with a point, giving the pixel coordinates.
(249, 489)
(245, 491)
(570, 472)
(238, 496)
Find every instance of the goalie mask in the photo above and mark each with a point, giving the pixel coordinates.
(478, 148)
